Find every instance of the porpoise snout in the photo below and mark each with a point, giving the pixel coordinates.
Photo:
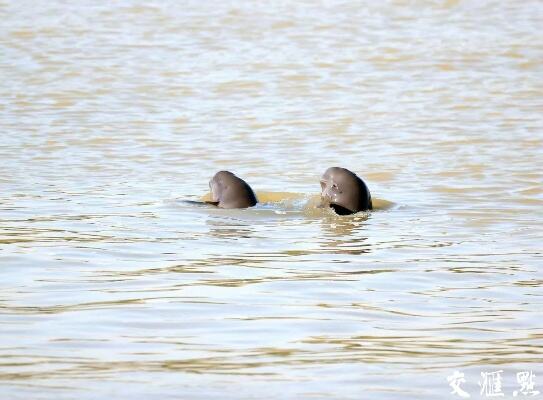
(230, 191)
(344, 191)
(329, 191)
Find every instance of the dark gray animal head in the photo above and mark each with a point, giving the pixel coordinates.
(229, 191)
(344, 191)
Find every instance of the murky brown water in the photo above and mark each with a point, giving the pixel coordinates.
(112, 113)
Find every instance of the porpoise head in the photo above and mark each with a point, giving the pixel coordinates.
(344, 191)
(229, 191)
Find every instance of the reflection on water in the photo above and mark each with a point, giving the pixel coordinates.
(345, 235)
(114, 118)
(224, 229)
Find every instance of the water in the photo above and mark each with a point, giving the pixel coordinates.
(113, 114)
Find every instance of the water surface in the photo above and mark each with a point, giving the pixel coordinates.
(111, 114)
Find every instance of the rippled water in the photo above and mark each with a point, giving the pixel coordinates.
(112, 114)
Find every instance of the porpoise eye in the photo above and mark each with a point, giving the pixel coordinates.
(336, 187)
